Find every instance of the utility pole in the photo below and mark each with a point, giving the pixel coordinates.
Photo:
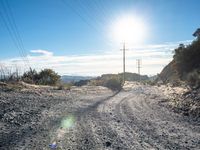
(124, 62)
(138, 62)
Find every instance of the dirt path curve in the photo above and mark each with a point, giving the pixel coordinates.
(130, 120)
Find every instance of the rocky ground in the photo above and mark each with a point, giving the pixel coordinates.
(183, 100)
(93, 118)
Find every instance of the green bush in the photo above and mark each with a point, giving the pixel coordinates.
(30, 76)
(96, 82)
(81, 82)
(44, 77)
(194, 78)
(48, 77)
(64, 86)
(114, 84)
(187, 58)
(111, 81)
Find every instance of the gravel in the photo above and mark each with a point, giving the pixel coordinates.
(93, 118)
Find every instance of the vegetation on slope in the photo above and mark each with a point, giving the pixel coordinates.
(185, 65)
(44, 77)
(134, 77)
(111, 81)
(114, 81)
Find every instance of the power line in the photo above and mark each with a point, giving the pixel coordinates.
(9, 21)
(88, 16)
(77, 13)
(16, 28)
(18, 34)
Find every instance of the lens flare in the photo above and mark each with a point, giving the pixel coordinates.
(67, 122)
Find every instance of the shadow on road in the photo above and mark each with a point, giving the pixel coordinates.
(83, 111)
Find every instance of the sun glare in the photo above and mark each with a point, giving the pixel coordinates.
(129, 29)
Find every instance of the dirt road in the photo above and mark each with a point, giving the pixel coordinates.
(98, 119)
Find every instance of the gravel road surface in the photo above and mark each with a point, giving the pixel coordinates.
(95, 118)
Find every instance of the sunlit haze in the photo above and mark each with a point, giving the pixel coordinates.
(129, 29)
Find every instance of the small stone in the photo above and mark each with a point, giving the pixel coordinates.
(108, 144)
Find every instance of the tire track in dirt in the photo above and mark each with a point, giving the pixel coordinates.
(139, 143)
(151, 123)
(112, 125)
(129, 120)
(133, 120)
(117, 123)
(82, 133)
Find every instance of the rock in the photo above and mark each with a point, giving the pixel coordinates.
(3, 84)
(108, 144)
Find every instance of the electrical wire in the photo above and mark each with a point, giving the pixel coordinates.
(9, 21)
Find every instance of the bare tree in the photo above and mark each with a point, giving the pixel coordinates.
(9, 73)
(2, 72)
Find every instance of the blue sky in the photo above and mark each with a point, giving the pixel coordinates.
(78, 30)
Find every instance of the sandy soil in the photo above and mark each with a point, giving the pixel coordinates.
(93, 118)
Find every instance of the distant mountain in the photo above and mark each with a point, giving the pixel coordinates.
(68, 79)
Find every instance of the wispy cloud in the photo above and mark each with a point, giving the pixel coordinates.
(154, 58)
(43, 52)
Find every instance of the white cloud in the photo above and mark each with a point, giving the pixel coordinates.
(43, 52)
(154, 58)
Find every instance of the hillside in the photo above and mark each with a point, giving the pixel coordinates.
(128, 76)
(185, 65)
(169, 74)
(184, 69)
(134, 77)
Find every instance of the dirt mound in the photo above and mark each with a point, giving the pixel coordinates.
(183, 100)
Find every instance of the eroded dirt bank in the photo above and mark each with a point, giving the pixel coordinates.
(94, 118)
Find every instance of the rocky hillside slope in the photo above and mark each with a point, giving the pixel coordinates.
(185, 65)
(184, 71)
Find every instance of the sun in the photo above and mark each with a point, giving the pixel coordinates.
(129, 29)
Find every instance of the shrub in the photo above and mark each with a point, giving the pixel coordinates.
(44, 77)
(64, 86)
(9, 74)
(30, 76)
(48, 77)
(61, 87)
(149, 82)
(187, 58)
(81, 83)
(114, 84)
(96, 82)
(194, 78)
